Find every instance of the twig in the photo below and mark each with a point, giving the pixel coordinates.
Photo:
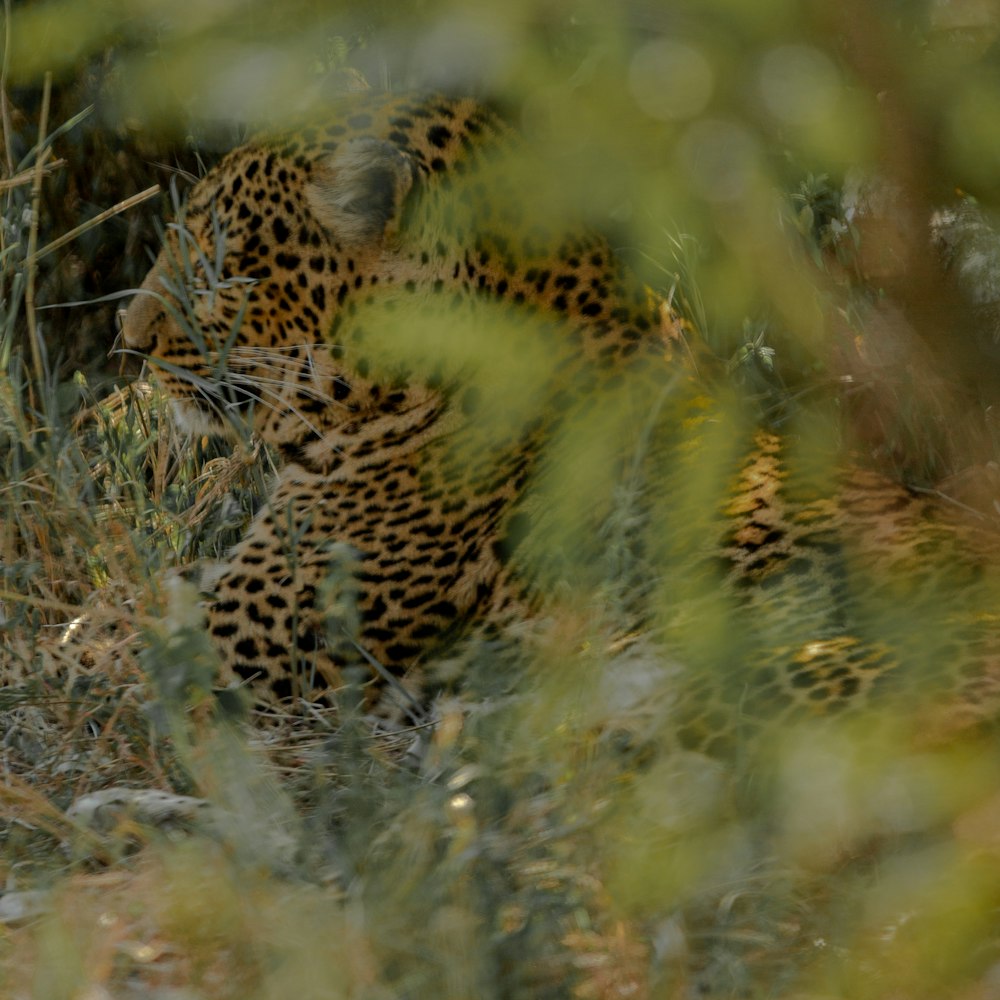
(954, 501)
(122, 206)
(4, 103)
(5, 120)
(36, 200)
(27, 176)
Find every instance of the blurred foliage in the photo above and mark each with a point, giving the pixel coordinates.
(815, 187)
(740, 125)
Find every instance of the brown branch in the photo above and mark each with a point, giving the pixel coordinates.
(36, 200)
(27, 176)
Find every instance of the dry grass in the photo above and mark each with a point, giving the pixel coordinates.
(548, 844)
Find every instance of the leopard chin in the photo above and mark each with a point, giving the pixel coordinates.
(197, 420)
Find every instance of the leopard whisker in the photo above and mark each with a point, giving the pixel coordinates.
(212, 392)
(278, 349)
(298, 370)
(280, 365)
(259, 394)
(276, 384)
(303, 356)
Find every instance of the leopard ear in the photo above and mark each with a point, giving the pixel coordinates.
(358, 192)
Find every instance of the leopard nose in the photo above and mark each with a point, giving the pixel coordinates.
(137, 323)
(140, 322)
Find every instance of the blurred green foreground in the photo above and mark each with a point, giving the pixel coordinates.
(618, 803)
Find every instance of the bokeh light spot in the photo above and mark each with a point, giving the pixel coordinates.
(721, 159)
(670, 81)
(798, 84)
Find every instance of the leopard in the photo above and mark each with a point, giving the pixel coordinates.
(286, 242)
(400, 494)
